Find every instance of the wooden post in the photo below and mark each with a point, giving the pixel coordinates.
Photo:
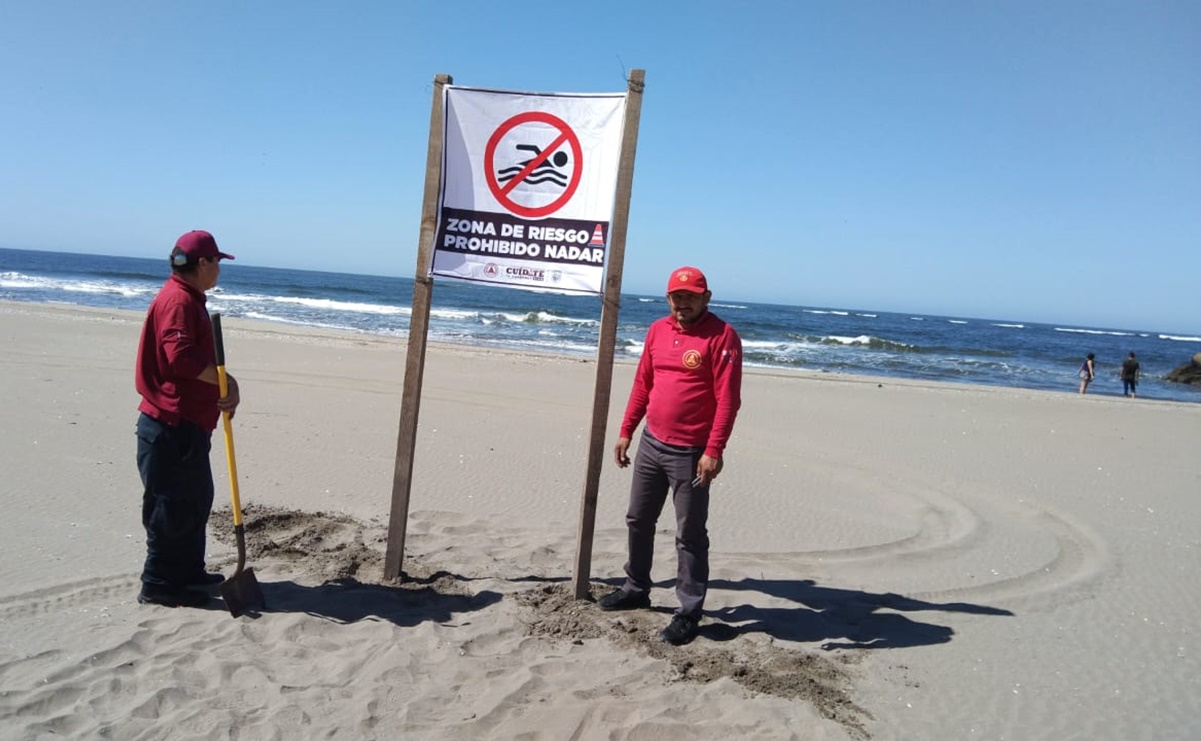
(423, 291)
(597, 449)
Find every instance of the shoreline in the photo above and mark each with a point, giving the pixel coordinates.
(304, 334)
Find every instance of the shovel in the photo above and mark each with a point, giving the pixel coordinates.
(241, 591)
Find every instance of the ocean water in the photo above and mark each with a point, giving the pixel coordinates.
(991, 352)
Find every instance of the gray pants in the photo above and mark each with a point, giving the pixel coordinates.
(658, 469)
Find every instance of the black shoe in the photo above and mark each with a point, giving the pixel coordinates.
(153, 594)
(623, 600)
(205, 579)
(680, 630)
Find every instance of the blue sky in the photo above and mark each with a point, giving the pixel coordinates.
(1035, 161)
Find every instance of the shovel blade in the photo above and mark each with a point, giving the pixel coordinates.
(242, 593)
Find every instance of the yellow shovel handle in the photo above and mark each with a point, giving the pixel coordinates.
(223, 384)
(223, 389)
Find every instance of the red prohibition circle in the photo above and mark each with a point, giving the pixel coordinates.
(501, 193)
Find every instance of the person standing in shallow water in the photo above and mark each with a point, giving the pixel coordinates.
(1088, 371)
(688, 387)
(1130, 373)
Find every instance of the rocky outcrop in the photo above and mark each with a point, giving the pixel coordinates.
(1189, 373)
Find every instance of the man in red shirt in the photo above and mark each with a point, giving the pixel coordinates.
(176, 375)
(688, 387)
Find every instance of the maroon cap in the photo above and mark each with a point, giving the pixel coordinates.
(197, 244)
(687, 279)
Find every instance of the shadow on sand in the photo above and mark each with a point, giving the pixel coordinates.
(841, 618)
(348, 600)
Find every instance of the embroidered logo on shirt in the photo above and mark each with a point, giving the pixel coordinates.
(692, 359)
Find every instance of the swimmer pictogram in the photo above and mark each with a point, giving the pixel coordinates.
(533, 164)
(547, 172)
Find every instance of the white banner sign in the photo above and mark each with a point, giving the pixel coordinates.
(528, 182)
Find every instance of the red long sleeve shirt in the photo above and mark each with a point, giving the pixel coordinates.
(688, 384)
(176, 346)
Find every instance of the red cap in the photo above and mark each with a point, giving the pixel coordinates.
(687, 279)
(197, 244)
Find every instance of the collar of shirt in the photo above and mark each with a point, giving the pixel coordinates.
(181, 283)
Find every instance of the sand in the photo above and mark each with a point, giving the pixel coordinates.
(891, 559)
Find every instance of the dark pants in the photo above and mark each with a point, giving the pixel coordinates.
(1128, 385)
(658, 469)
(176, 501)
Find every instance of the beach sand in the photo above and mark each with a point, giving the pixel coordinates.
(891, 559)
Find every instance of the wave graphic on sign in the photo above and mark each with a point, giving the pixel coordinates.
(547, 171)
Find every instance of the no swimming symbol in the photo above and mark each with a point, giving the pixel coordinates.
(528, 165)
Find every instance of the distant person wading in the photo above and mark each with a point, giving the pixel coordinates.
(1130, 373)
(1087, 372)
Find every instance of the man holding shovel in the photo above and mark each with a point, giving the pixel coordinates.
(176, 375)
